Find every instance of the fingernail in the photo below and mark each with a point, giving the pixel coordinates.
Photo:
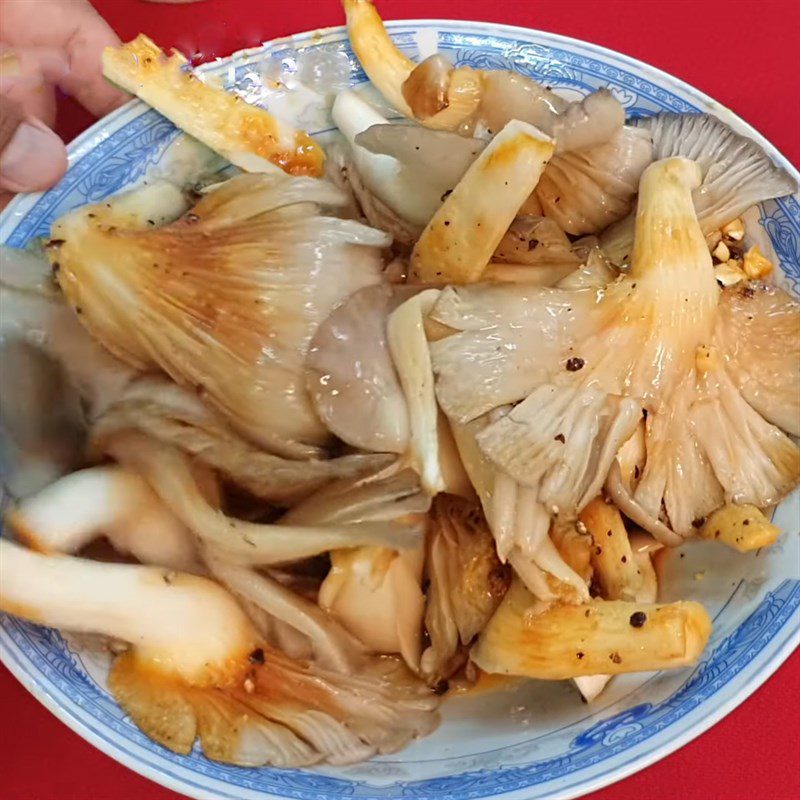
(34, 158)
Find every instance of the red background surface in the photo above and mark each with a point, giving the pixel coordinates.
(744, 54)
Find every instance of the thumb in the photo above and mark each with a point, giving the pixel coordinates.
(32, 157)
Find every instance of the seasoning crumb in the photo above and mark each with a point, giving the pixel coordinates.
(579, 654)
(598, 551)
(746, 522)
(574, 364)
(638, 618)
(580, 527)
(587, 612)
(616, 658)
(249, 685)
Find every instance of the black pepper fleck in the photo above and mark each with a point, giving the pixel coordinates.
(579, 654)
(257, 656)
(560, 438)
(446, 195)
(746, 522)
(598, 551)
(624, 559)
(638, 618)
(441, 687)
(616, 658)
(447, 222)
(574, 364)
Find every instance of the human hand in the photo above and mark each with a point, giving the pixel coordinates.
(46, 44)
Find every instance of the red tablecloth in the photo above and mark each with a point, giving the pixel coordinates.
(741, 52)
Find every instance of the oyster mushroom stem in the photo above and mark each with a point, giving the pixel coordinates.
(110, 501)
(197, 669)
(168, 471)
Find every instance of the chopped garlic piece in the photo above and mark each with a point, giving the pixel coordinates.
(721, 251)
(713, 239)
(756, 264)
(734, 230)
(729, 272)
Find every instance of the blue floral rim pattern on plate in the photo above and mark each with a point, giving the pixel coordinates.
(118, 152)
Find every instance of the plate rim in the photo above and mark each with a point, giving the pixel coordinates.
(85, 141)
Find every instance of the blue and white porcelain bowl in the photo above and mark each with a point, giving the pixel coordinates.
(532, 740)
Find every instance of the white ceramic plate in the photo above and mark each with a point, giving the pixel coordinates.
(532, 741)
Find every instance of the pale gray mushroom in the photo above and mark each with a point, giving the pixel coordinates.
(737, 174)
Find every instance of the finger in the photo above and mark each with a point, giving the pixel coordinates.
(27, 75)
(32, 157)
(80, 32)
